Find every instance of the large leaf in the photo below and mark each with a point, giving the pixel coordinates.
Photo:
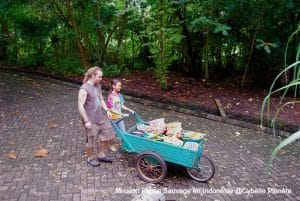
(267, 100)
(279, 110)
(285, 142)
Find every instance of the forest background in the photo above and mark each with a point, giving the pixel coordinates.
(234, 42)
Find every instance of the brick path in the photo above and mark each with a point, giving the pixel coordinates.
(39, 113)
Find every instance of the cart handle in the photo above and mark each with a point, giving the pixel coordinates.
(139, 119)
(136, 116)
(124, 116)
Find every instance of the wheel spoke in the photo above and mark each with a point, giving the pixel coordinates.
(143, 169)
(143, 164)
(152, 172)
(157, 172)
(144, 161)
(151, 167)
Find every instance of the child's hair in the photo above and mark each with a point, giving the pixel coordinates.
(114, 82)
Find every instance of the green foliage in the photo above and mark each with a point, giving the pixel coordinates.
(141, 65)
(28, 61)
(214, 36)
(112, 70)
(65, 66)
(126, 71)
(161, 71)
(264, 45)
(216, 26)
(163, 39)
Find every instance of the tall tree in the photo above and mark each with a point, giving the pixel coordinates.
(73, 23)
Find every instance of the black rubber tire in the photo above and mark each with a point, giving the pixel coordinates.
(151, 167)
(205, 172)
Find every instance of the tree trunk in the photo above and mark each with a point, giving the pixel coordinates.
(103, 43)
(81, 48)
(4, 40)
(187, 43)
(252, 48)
(107, 41)
(206, 53)
(161, 63)
(101, 38)
(122, 26)
(190, 51)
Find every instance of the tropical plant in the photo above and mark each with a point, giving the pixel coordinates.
(163, 38)
(112, 70)
(293, 84)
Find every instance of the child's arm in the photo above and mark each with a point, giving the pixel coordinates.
(128, 109)
(123, 106)
(114, 111)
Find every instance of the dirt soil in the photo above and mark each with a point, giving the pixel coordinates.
(246, 103)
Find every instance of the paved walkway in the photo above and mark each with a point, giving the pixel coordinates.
(40, 113)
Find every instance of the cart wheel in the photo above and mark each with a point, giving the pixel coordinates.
(151, 167)
(204, 172)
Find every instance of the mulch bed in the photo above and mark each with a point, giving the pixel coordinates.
(238, 103)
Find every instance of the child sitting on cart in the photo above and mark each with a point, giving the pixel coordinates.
(115, 102)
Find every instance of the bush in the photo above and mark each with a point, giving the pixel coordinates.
(65, 66)
(112, 70)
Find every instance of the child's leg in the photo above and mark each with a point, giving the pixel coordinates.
(121, 126)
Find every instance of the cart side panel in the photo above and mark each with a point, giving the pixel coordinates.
(169, 152)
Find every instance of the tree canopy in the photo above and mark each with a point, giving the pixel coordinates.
(224, 40)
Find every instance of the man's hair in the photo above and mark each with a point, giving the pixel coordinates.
(90, 72)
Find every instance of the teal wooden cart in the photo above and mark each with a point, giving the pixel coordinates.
(152, 155)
